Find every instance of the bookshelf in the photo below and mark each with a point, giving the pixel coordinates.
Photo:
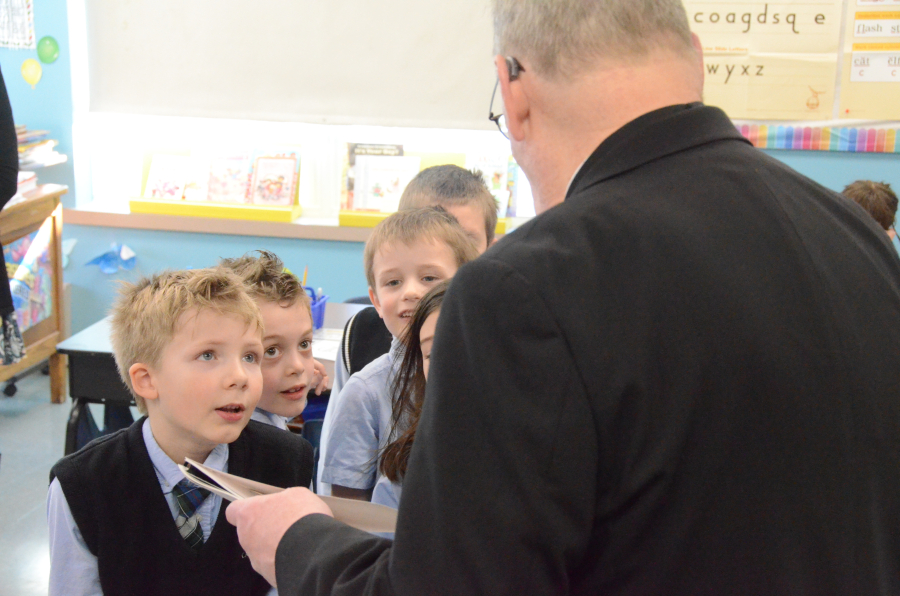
(41, 207)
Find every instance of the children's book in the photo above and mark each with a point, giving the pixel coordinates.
(196, 181)
(167, 176)
(275, 179)
(363, 515)
(495, 171)
(380, 181)
(229, 179)
(348, 185)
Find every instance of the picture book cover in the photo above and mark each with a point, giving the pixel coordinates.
(196, 181)
(495, 171)
(167, 177)
(380, 181)
(229, 179)
(275, 177)
(348, 178)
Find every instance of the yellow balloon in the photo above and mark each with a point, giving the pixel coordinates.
(32, 71)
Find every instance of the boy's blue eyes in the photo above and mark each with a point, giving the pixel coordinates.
(426, 279)
(210, 356)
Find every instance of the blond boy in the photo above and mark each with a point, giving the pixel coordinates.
(122, 517)
(288, 368)
(407, 254)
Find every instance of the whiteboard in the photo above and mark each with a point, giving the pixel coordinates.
(392, 62)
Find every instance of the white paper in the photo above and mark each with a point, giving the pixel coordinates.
(17, 24)
(326, 349)
(369, 517)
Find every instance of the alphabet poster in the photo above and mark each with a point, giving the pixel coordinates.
(870, 78)
(770, 60)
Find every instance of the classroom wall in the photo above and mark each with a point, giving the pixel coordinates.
(49, 105)
(334, 266)
(337, 266)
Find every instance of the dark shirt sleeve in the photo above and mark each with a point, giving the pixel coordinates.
(9, 153)
(500, 494)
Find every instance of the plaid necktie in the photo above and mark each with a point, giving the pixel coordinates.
(189, 497)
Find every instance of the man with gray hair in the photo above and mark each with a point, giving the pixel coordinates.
(680, 378)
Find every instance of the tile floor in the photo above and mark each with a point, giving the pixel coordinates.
(32, 432)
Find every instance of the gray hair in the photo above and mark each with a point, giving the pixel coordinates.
(563, 37)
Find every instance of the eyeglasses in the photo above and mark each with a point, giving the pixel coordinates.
(514, 68)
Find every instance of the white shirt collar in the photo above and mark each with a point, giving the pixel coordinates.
(269, 418)
(167, 471)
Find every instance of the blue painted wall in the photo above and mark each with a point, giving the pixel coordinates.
(49, 105)
(336, 267)
(837, 169)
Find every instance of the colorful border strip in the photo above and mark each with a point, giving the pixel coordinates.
(826, 138)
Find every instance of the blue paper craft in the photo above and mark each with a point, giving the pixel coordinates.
(119, 257)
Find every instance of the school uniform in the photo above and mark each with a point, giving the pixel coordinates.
(365, 339)
(682, 380)
(359, 425)
(112, 533)
(260, 415)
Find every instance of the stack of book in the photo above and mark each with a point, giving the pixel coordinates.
(36, 150)
(27, 181)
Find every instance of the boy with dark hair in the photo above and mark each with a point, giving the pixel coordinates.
(877, 199)
(462, 193)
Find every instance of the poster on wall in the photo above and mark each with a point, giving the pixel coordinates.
(769, 60)
(17, 24)
(870, 79)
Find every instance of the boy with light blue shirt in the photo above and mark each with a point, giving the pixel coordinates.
(407, 254)
(123, 519)
(466, 197)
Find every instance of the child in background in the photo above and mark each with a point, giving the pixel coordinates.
(408, 253)
(877, 199)
(123, 518)
(461, 192)
(465, 195)
(288, 368)
(408, 392)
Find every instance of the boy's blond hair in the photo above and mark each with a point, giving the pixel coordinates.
(266, 279)
(145, 313)
(452, 185)
(413, 225)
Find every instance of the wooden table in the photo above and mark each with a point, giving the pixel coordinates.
(93, 377)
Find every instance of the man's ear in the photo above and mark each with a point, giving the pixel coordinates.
(515, 101)
(142, 381)
(698, 47)
(374, 298)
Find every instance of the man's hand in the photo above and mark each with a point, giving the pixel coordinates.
(262, 521)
